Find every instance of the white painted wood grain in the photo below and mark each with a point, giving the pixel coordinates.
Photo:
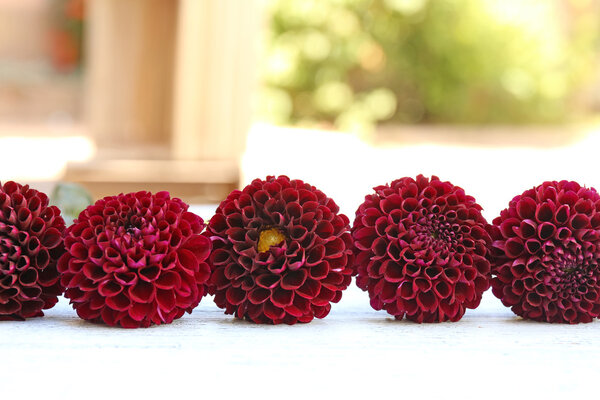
(355, 352)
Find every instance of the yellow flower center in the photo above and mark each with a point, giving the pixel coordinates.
(269, 237)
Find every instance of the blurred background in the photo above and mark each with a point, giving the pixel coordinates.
(200, 97)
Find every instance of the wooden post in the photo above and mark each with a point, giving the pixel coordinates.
(214, 78)
(169, 87)
(129, 68)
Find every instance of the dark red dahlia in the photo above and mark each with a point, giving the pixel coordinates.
(421, 248)
(546, 253)
(134, 260)
(30, 245)
(281, 252)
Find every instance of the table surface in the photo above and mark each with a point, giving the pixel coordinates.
(355, 351)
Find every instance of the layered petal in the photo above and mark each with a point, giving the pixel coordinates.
(30, 244)
(135, 260)
(421, 249)
(545, 253)
(281, 252)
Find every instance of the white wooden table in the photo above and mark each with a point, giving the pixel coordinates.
(355, 352)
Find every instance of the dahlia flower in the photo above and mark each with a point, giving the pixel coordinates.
(546, 251)
(134, 260)
(421, 248)
(30, 245)
(281, 252)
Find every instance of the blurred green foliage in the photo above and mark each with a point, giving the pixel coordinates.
(71, 199)
(354, 63)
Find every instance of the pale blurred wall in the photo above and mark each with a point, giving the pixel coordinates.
(31, 90)
(23, 26)
(39, 107)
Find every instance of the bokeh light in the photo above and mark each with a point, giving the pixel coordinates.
(368, 62)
